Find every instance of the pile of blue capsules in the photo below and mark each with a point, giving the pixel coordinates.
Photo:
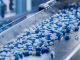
(38, 39)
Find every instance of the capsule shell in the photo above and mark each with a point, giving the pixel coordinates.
(67, 37)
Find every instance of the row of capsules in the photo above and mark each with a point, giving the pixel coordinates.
(37, 40)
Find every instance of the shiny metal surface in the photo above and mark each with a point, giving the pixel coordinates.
(64, 48)
(76, 56)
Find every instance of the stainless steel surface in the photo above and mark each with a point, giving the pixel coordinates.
(76, 56)
(64, 48)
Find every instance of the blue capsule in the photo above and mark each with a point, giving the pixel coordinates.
(44, 50)
(16, 56)
(39, 36)
(25, 54)
(38, 53)
(63, 11)
(2, 58)
(48, 37)
(63, 32)
(37, 31)
(76, 29)
(5, 51)
(67, 37)
(59, 35)
(79, 24)
(27, 33)
(38, 49)
(67, 29)
(20, 55)
(51, 31)
(51, 19)
(40, 44)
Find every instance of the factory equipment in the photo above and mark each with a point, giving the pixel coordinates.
(44, 36)
(2, 9)
(8, 22)
(20, 6)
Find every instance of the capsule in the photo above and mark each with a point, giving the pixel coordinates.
(16, 57)
(48, 37)
(67, 29)
(66, 37)
(44, 50)
(59, 36)
(20, 55)
(25, 53)
(2, 58)
(38, 53)
(76, 29)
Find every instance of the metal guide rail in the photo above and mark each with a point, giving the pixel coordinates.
(8, 22)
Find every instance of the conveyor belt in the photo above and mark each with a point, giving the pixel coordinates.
(47, 27)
